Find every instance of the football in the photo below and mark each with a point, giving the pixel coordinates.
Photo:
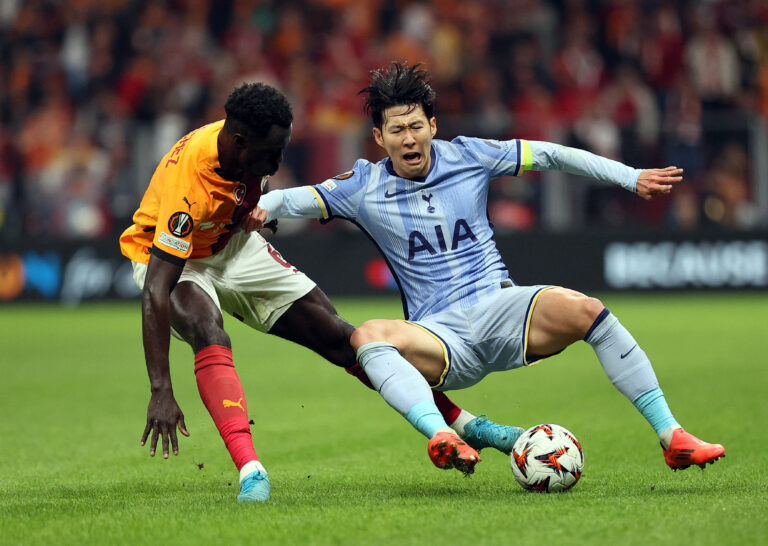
(547, 458)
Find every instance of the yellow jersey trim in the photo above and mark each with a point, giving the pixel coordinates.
(441, 380)
(526, 161)
(320, 202)
(528, 327)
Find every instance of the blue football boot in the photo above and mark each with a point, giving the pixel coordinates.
(481, 432)
(254, 487)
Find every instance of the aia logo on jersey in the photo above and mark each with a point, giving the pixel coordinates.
(240, 194)
(419, 242)
(180, 224)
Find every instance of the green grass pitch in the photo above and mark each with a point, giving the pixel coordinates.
(346, 469)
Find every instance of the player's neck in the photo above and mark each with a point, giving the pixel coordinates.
(228, 168)
(230, 175)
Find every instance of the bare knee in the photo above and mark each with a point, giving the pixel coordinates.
(592, 307)
(421, 349)
(196, 318)
(566, 315)
(372, 330)
(586, 309)
(201, 330)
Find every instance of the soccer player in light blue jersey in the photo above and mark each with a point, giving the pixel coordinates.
(425, 207)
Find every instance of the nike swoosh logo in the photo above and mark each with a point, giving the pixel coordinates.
(632, 349)
(411, 190)
(388, 195)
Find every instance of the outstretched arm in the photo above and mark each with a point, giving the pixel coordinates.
(163, 413)
(302, 202)
(648, 184)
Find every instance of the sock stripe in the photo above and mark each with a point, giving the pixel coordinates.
(373, 345)
(600, 318)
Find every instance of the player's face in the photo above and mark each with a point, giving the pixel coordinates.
(264, 155)
(406, 135)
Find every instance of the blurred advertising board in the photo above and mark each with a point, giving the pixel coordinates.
(348, 264)
(69, 273)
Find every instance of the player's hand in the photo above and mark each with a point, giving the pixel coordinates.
(655, 182)
(255, 220)
(163, 416)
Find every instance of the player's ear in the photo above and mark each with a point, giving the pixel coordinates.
(433, 126)
(377, 137)
(240, 141)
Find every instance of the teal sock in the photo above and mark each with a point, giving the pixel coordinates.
(426, 418)
(402, 386)
(653, 406)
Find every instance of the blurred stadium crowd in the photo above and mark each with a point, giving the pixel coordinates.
(94, 92)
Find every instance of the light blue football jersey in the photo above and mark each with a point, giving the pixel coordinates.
(434, 232)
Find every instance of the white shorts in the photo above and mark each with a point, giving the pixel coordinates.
(248, 279)
(490, 336)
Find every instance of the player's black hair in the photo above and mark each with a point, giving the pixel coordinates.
(398, 85)
(253, 108)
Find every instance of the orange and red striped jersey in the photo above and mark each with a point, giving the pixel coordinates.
(188, 210)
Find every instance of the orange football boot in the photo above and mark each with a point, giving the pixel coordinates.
(448, 450)
(685, 449)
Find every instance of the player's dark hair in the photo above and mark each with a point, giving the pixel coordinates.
(253, 108)
(398, 85)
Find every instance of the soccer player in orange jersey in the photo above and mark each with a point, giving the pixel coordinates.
(191, 260)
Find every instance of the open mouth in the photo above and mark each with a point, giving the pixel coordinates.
(412, 158)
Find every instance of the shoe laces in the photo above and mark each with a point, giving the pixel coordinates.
(486, 426)
(255, 477)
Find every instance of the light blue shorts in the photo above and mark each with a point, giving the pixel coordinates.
(490, 336)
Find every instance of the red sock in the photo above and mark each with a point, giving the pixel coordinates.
(357, 371)
(222, 394)
(448, 409)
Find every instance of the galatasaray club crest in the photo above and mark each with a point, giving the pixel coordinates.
(180, 224)
(240, 194)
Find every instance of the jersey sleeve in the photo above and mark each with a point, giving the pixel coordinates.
(301, 202)
(499, 157)
(176, 218)
(549, 156)
(342, 195)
